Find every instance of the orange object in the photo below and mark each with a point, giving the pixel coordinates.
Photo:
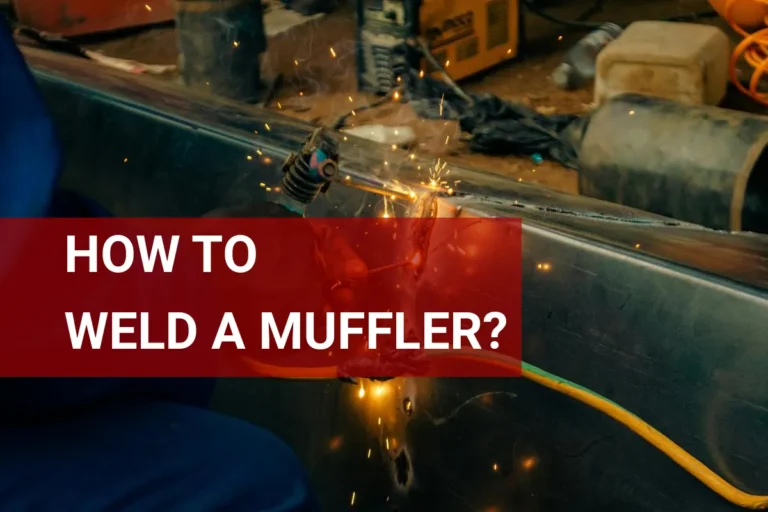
(745, 13)
(753, 49)
(78, 17)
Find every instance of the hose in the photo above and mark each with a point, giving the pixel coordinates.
(586, 396)
(753, 49)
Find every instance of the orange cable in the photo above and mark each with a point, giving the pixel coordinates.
(753, 49)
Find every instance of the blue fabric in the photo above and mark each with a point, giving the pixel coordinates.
(30, 156)
(93, 445)
(149, 457)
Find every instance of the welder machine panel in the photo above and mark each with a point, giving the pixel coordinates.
(467, 35)
(470, 35)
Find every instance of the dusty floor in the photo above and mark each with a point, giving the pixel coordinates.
(320, 85)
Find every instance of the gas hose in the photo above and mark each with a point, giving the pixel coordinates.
(586, 396)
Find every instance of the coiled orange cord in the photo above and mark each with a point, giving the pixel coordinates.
(753, 49)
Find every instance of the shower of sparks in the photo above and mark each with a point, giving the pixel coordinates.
(384, 215)
(333, 52)
(148, 7)
(437, 174)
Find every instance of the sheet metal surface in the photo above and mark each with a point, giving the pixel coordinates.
(665, 318)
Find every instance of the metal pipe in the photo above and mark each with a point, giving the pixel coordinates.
(699, 164)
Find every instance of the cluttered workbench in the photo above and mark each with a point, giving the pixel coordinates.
(315, 57)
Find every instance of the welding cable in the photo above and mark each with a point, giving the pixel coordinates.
(583, 24)
(424, 49)
(584, 395)
(753, 49)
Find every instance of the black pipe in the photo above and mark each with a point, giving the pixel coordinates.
(700, 164)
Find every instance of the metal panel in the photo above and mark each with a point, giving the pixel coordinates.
(667, 319)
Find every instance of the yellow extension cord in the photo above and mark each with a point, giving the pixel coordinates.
(664, 444)
(753, 49)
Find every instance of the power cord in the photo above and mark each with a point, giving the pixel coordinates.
(753, 49)
(584, 395)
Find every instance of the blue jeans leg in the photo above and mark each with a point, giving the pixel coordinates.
(149, 457)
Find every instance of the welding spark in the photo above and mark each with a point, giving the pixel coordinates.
(333, 52)
(147, 7)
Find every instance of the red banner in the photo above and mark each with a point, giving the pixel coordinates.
(298, 298)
